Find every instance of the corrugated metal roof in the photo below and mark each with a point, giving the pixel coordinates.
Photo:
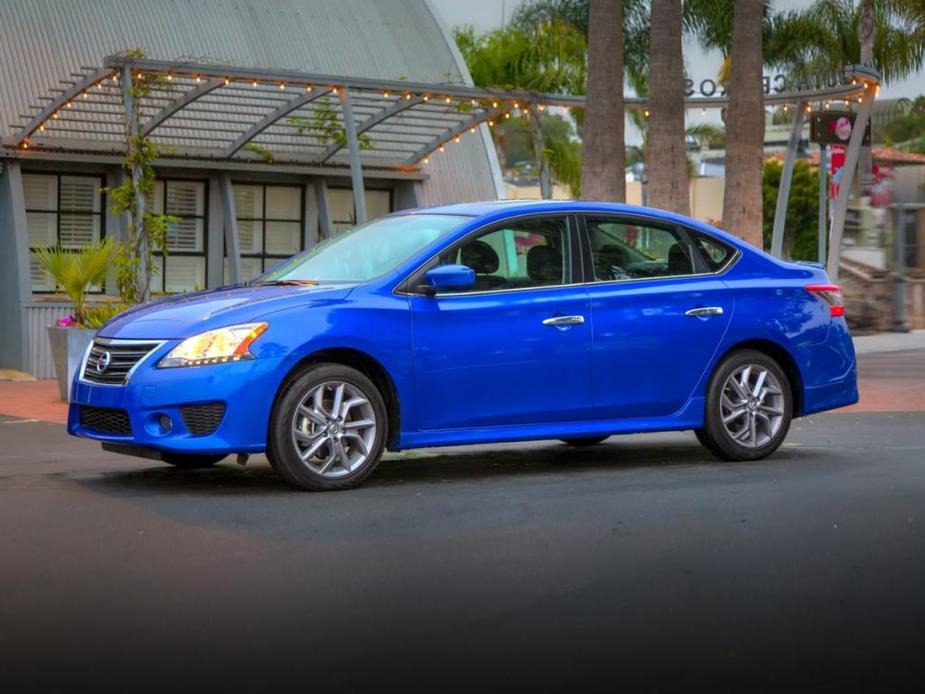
(44, 41)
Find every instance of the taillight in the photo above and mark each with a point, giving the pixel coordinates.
(830, 294)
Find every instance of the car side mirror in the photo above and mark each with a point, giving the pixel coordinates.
(449, 278)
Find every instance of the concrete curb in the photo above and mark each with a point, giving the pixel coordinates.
(890, 342)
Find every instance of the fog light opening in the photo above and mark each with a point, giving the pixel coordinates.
(165, 422)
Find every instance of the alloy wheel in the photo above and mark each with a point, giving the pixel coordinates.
(752, 405)
(334, 429)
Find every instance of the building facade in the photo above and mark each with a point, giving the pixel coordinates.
(55, 197)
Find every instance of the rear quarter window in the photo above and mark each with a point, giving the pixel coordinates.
(714, 253)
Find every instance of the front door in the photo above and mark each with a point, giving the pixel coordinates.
(513, 349)
(658, 314)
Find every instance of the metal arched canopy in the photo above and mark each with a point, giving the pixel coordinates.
(218, 112)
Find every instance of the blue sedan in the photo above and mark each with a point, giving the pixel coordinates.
(474, 323)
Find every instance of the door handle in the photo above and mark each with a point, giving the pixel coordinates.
(564, 320)
(705, 311)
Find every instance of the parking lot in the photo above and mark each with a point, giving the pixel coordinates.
(642, 563)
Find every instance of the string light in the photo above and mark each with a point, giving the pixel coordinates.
(442, 148)
(282, 85)
(408, 96)
(426, 98)
(426, 160)
(456, 139)
(494, 104)
(198, 79)
(785, 108)
(25, 144)
(646, 113)
(169, 77)
(227, 81)
(809, 109)
(42, 127)
(254, 83)
(385, 95)
(473, 102)
(55, 115)
(448, 99)
(491, 124)
(84, 94)
(308, 87)
(334, 90)
(68, 104)
(507, 115)
(472, 129)
(542, 107)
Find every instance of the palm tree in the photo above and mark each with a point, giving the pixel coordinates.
(603, 174)
(666, 162)
(548, 57)
(742, 198)
(75, 272)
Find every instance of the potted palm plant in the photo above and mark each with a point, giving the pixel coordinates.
(74, 273)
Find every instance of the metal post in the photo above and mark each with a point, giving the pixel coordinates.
(131, 119)
(325, 225)
(310, 235)
(899, 273)
(823, 201)
(215, 233)
(356, 166)
(786, 176)
(539, 152)
(840, 209)
(232, 237)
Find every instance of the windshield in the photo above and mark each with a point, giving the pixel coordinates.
(364, 252)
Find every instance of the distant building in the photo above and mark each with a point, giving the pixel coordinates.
(55, 198)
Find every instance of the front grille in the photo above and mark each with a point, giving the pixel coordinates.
(105, 420)
(114, 369)
(203, 419)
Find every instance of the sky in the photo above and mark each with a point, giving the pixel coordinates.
(487, 14)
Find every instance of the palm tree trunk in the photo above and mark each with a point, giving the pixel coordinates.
(666, 162)
(742, 199)
(866, 31)
(603, 175)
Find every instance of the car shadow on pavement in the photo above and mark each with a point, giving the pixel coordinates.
(618, 455)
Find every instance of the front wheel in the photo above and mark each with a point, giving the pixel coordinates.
(749, 407)
(328, 429)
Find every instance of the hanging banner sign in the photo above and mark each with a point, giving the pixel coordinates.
(834, 128)
(836, 168)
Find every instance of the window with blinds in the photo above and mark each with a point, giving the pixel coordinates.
(270, 220)
(184, 268)
(343, 212)
(64, 211)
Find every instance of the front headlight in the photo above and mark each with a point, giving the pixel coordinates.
(215, 346)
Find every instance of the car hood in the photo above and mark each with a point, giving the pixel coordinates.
(188, 314)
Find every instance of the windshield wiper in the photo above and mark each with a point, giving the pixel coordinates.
(288, 283)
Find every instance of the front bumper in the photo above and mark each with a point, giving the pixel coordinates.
(246, 388)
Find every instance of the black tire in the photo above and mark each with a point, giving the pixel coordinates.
(714, 435)
(281, 448)
(585, 441)
(186, 461)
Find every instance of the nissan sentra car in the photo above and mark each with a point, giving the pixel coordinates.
(471, 324)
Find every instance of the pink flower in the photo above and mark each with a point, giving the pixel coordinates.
(66, 322)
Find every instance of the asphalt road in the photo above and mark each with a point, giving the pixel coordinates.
(639, 565)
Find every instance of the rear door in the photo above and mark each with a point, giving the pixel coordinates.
(514, 349)
(658, 312)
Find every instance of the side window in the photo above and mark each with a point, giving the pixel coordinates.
(623, 250)
(712, 252)
(528, 253)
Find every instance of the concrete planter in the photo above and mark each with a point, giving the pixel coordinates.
(67, 349)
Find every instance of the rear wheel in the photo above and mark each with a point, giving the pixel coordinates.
(328, 429)
(585, 441)
(185, 461)
(749, 407)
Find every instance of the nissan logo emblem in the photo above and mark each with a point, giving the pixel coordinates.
(102, 362)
